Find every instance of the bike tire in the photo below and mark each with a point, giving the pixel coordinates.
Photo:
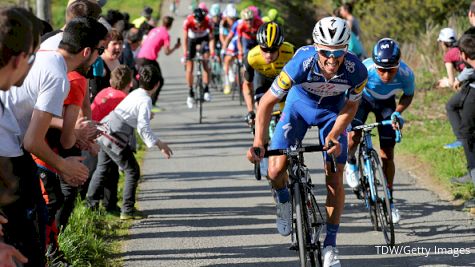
(383, 205)
(316, 222)
(200, 102)
(367, 192)
(239, 80)
(301, 224)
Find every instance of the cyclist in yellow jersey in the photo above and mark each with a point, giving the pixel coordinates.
(263, 63)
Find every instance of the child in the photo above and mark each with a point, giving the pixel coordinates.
(117, 144)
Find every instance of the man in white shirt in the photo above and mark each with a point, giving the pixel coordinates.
(134, 112)
(17, 53)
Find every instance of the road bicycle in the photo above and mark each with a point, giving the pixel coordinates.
(199, 86)
(216, 80)
(308, 220)
(373, 184)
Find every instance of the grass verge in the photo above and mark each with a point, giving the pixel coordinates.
(93, 238)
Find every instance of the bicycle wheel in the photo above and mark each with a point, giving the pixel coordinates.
(365, 185)
(301, 223)
(200, 102)
(383, 205)
(316, 222)
(239, 82)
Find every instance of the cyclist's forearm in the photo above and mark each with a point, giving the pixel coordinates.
(263, 117)
(404, 102)
(247, 89)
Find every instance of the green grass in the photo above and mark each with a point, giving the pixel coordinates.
(134, 8)
(93, 238)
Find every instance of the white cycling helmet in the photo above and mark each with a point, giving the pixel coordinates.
(230, 11)
(331, 31)
(447, 35)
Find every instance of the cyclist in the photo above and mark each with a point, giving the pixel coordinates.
(263, 63)
(197, 30)
(324, 84)
(246, 31)
(228, 36)
(387, 75)
(215, 16)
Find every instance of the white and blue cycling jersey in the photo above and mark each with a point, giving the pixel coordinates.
(312, 99)
(376, 89)
(303, 73)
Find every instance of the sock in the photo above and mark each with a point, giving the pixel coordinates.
(206, 90)
(392, 196)
(351, 160)
(330, 239)
(226, 80)
(190, 92)
(282, 195)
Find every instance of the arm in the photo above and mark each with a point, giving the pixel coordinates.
(71, 169)
(450, 73)
(263, 116)
(344, 118)
(247, 85)
(185, 42)
(86, 106)
(70, 115)
(404, 102)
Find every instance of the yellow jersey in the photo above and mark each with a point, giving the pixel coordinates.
(256, 61)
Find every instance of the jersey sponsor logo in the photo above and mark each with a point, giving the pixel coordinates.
(350, 66)
(283, 81)
(325, 89)
(306, 63)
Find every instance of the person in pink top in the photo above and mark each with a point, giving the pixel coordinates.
(107, 99)
(156, 39)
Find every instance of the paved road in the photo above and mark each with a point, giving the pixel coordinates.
(205, 208)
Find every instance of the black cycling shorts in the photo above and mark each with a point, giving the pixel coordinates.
(193, 42)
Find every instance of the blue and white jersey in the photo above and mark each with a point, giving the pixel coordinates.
(402, 82)
(303, 73)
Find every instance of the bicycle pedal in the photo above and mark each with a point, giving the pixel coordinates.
(294, 247)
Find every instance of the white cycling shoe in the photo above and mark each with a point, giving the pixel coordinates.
(330, 257)
(190, 101)
(207, 96)
(284, 218)
(352, 175)
(395, 214)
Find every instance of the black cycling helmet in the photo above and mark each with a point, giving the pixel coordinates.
(386, 53)
(270, 35)
(199, 14)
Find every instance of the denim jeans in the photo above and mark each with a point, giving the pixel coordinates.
(127, 162)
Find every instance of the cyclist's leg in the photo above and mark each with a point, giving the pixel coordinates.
(354, 138)
(205, 51)
(384, 109)
(289, 131)
(189, 65)
(334, 181)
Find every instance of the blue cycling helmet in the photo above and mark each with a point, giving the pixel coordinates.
(386, 53)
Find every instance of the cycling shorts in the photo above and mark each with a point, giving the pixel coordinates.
(193, 42)
(261, 85)
(382, 109)
(301, 112)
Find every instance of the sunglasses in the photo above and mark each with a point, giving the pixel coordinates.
(100, 50)
(31, 58)
(332, 53)
(390, 70)
(269, 50)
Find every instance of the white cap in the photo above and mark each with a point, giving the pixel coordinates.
(230, 11)
(447, 35)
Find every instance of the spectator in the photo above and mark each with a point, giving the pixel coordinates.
(111, 55)
(19, 35)
(134, 112)
(157, 38)
(467, 109)
(146, 16)
(133, 39)
(453, 62)
(346, 12)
